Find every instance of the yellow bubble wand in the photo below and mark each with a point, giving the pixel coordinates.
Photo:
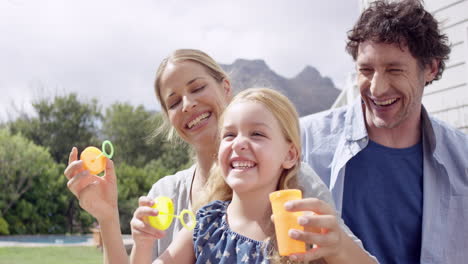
(166, 215)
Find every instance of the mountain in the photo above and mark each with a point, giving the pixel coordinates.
(308, 90)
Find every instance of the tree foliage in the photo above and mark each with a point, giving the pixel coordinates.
(60, 124)
(22, 162)
(32, 198)
(34, 153)
(4, 230)
(130, 129)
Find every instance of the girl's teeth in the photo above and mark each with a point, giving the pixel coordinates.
(243, 164)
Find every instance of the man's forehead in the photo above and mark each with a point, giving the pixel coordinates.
(391, 52)
(402, 45)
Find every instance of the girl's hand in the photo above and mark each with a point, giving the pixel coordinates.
(142, 231)
(321, 228)
(97, 195)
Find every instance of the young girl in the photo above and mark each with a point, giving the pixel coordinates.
(259, 153)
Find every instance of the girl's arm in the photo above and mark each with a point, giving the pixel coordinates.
(180, 250)
(333, 244)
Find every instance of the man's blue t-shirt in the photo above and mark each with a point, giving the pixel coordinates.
(383, 201)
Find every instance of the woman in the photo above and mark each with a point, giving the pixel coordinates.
(193, 90)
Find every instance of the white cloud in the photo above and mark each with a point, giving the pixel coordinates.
(110, 49)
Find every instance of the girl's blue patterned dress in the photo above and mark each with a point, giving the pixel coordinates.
(215, 242)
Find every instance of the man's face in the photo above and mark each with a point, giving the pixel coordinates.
(391, 84)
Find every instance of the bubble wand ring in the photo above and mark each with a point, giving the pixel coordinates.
(166, 215)
(192, 222)
(104, 144)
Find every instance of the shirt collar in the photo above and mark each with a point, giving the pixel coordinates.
(355, 127)
(428, 134)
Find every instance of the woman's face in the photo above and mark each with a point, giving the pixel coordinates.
(194, 101)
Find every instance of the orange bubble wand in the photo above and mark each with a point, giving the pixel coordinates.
(94, 159)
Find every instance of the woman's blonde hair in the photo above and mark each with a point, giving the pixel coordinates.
(180, 55)
(286, 115)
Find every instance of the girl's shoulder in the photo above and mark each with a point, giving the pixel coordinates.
(212, 211)
(215, 242)
(210, 222)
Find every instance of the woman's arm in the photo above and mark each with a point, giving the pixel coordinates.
(98, 196)
(113, 246)
(180, 251)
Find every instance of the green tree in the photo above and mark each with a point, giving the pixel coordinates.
(174, 157)
(63, 122)
(34, 197)
(60, 124)
(130, 129)
(21, 163)
(4, 227)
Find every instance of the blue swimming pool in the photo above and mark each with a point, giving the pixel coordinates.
(47, 239)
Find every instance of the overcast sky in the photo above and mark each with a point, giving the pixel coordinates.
(110, 49)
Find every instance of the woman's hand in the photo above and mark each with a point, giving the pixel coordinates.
(321, 228)
(97, 195)
(142, 232)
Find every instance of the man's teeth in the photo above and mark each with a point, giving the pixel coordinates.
(386, 102)
(242, 164)
(197, 120)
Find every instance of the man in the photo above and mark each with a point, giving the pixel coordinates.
(398, 176)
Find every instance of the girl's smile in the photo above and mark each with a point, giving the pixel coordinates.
(253, 148)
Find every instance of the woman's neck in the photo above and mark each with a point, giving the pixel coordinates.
(205, 159)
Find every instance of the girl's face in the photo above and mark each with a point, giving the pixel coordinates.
(194, 101)
(253, 151)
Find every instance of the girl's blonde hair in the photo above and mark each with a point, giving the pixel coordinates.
(286, 115)
(180, 55)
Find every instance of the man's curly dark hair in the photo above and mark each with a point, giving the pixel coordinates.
(403, 22)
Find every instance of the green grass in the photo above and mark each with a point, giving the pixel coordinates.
(50, 255)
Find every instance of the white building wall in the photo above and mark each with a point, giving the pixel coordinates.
(446, 99)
